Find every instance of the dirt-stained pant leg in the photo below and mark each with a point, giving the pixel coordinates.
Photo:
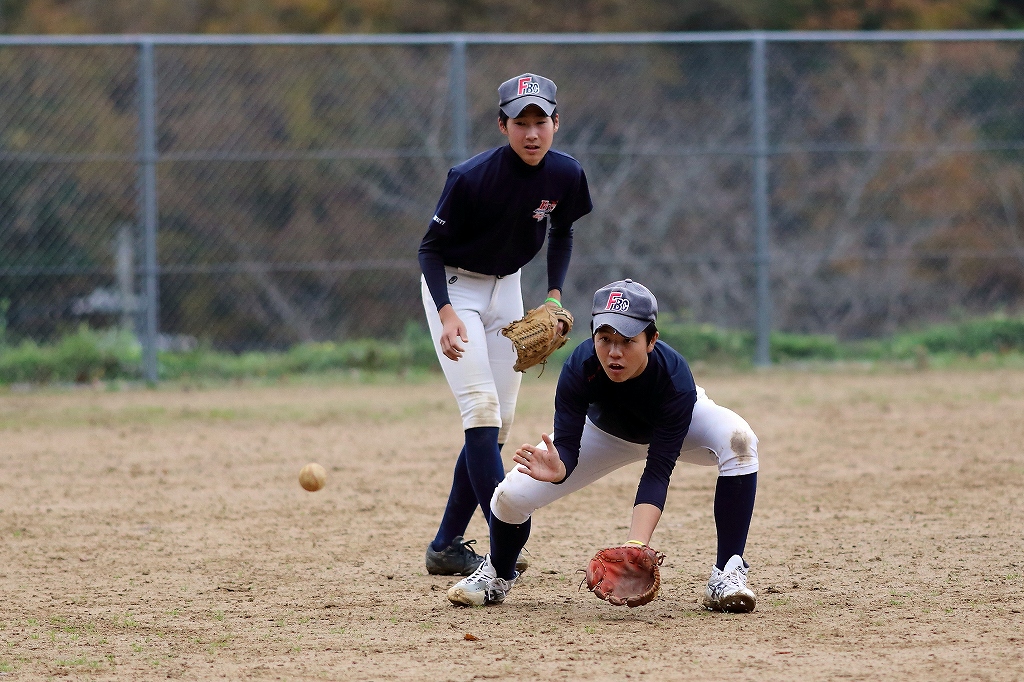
(505, 306)
(717, 437)
(483, 381)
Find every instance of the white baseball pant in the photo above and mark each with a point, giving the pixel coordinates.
(717, 437)
(483, 381)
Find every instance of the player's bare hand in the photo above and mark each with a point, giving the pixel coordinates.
(540, 462)
(453, 331)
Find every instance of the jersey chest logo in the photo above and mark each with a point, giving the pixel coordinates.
(544, 210)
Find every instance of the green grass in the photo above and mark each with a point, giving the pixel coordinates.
(87, 355)
(83, 356)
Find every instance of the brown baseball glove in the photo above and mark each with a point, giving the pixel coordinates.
(537, 335)
(626, 575)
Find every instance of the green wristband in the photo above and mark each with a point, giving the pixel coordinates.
(553, 300)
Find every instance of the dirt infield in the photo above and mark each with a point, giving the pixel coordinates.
(154, 534)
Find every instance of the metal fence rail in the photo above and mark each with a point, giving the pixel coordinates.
(260, 191)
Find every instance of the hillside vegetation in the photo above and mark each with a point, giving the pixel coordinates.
(433, 16)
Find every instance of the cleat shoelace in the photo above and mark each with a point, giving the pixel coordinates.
(497, 589)
(464, 549)
(480, 574)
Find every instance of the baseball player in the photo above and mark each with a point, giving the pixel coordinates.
(625, 396)
(492, 219)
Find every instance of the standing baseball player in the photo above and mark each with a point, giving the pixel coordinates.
(624, 396)
(492, 219)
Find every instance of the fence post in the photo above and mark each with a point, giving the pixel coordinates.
(147, 159)
(124, 276)
(460, 116)
(759, 113)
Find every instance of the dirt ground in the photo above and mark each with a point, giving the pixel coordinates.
(154, 534)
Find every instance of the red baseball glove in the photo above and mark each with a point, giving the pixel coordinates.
(626, 575)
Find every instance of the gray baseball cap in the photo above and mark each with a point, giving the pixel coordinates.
(517, 93)
(625, 306)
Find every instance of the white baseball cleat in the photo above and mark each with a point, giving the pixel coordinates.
(727, 588)
(482, 587)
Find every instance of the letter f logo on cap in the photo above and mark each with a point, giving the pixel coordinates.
(527, 86)
(617, 302)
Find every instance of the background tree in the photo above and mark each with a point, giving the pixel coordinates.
(294, 182)
(434, 16)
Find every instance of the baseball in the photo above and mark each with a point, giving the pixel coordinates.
(312, 477)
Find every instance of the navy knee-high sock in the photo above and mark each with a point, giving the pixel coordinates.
(460, 508)
(507, 541)
(734, 506)
(461, 505)
(483, 463)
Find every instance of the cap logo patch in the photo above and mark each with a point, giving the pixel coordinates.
(617, 302)
(528, 86)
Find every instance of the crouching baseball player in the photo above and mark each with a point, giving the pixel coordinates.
(625, 396)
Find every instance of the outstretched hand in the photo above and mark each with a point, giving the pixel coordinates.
(540, 462)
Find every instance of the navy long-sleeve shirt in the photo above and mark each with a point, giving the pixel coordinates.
(653, 408)
(494, 213)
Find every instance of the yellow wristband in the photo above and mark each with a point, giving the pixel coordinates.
(553, 300)
(634, 542)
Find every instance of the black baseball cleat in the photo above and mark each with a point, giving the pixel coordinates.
(457, 558)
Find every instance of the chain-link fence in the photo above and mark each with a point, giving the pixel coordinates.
(260, 191)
